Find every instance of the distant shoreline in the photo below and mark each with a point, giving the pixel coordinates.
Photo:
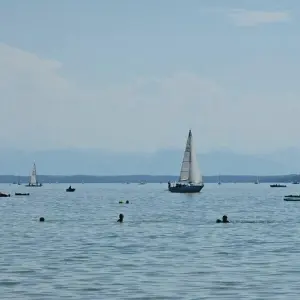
(146, 178)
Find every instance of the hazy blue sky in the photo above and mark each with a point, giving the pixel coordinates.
(136, 75)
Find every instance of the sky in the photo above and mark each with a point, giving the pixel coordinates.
(137, 75)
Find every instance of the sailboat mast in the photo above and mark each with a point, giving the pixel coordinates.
(190, 157)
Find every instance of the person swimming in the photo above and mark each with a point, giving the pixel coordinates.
(121, 217)
(224, 220)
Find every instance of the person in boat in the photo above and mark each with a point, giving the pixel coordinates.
(224, 220)
(121, 217)
(169, 184)
(70, 187)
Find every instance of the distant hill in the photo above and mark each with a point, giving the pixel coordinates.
(146, 178)
(100, 162)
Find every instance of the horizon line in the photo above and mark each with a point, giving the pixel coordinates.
(148, 175)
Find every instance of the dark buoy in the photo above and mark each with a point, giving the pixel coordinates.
(42, 219)
(127, 202)
(121, 217)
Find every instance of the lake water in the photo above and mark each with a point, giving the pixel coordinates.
(169, 246)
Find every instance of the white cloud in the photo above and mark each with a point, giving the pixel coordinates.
(42, 109)
(242, 17)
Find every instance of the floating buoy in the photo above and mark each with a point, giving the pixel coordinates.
(42, 219)
(120, 201)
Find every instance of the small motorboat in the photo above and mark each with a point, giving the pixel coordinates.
(70, 189)
(22, 194)
(295, 182)
(277, 185)
(4, 195)
(292, 198)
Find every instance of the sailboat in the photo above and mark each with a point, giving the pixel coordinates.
(219, 182)
(33, 179)
(190, 179)
(257, 180)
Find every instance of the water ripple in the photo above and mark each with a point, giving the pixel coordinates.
(169, 246)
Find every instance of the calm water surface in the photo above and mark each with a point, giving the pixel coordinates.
(168, 248)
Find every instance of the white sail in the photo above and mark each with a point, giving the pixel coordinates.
(33, 180)
(186, 162)
(195, 175)
(189, 168)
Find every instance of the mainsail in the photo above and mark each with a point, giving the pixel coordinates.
(33, 180)
(189, 168)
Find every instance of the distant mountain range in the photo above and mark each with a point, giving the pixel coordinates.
(145, 178)
(106, 163)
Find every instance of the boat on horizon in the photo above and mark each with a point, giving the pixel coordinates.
(277, 185)
(33, 179)
(257, 180)
(292, 198)
(190, 179)
(17, 182)
(22, 194)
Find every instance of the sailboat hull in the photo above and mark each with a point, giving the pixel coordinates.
(33, 185)
(184, 189)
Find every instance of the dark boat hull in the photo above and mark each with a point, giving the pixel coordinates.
(70, 190)
(22, 194)
(32, 185)
(4, 195)
(277, 186)
(184, 189)
(291, 199)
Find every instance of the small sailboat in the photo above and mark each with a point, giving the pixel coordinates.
(190, 179)
(17, 182)
(219, 182)
(33, 179)
(257, 180)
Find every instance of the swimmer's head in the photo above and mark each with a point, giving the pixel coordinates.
(121, 217)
